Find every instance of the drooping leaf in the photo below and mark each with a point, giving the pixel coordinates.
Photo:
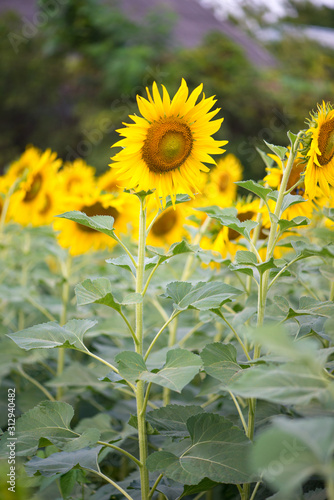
(220, 361)
(124, 262)
(50, 335)
(292, 451)
(292, 383)
(256, 188)
(99, 291)
(218, 451)
(171, 420)
(180, 368)
(62, 462)
(49, 420)
(295, 222)
(201, 296)
(102, 223)
(130, 365)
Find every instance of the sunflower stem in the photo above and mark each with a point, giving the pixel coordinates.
(140, 393)
(263, 288)
(63, 319)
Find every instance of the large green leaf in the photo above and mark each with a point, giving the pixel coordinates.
(130, 365)
(220, 361)
(102, 223)
(49, 335)
(180, 368)
(229, 217)
(201, 296)
(171, 420)
(218, 451)
(255, 188)
(99, 291)
(49, 420)
(62, 462)
(294, 383)
(291, 451)
(175, 249)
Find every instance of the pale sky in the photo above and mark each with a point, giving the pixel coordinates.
(276, 8)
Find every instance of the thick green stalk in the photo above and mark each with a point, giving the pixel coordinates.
(263, 288)
(63, 319)
(140, 394)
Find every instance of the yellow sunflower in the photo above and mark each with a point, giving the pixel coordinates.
(109, 182)
(26, 161)
(169, 227)
(76, 176)
(221, 185)
(166, 147)
(320, 165)
(31, 203)
(274, 178)
(81, 239)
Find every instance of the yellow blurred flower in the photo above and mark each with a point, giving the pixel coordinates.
(165, 149)
(35, 200)
(76, 177)
(169, 227)
(221, 187)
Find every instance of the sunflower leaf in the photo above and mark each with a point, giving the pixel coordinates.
(50, 335)
(99, 291)
(102, 223)
(280, 151)
(220, 361)
(175, 249)
(130, 365)
(266, 159)
(288, 201)
(217, 450)
(171, 420)
(202, 296)
(50, 420)
(180, 198)
(180, 368)
(62, 462)
(255, 188)
(295, 222)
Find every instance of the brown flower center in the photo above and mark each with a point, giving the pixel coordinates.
(297, 169)
(167, 145)
(326, 142)
(165, 223)
(233, 235)
(96, 209)
(34, 188)
(223, 182)
(47, 205)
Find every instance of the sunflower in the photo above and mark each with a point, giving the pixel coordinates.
(221, 185)
(109, 182)
(81, 239)
(274, 179)
(76, 176)
(320, 150)
(25, 163)
(32, 202)
(166, 147)
(169, 227)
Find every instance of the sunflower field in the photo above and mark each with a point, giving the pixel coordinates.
(168, 326)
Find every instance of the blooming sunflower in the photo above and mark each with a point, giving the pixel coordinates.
(169, 227)
(31, 203)
(274, 179)
(76, 176)
(81, 239)
(166, 147)
(320, 150)
(221, 186)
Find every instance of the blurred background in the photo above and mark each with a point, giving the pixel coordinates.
(70, 69)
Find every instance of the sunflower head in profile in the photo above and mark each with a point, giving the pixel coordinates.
(166, 147)
(319, 149)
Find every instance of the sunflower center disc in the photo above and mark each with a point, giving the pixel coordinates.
(34, 188)
(167, 145)
(165, 223)
(223, 182)
(96, 209)
(297, 169)
(326, 142)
